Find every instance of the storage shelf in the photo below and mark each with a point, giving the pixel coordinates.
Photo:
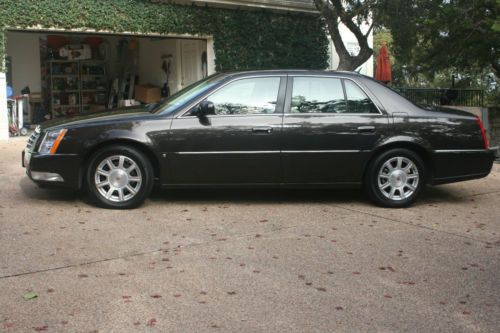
(88, 73)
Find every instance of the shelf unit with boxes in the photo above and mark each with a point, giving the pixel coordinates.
(75, 86)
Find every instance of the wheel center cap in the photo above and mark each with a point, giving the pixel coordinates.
(397, 178)
(118, 178)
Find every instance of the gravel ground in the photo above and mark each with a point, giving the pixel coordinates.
(251, 261)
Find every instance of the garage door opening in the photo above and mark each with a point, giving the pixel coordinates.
(71, 74)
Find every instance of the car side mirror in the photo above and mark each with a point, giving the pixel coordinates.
(206, 108)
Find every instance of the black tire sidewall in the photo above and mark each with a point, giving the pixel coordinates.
(138, 157)
(371, 181)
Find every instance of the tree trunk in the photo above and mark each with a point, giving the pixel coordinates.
(333, 13)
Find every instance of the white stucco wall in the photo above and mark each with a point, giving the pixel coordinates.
(4, 129)
(150, 52)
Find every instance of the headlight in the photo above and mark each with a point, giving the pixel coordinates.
(51, 141)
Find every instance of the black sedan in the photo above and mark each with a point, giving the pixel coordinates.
(263, 129)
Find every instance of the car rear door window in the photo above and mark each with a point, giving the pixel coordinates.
(247, 96)
(357, 101)
(317, 95)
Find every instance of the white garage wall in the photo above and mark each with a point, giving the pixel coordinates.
(24, 50)
(150, 52)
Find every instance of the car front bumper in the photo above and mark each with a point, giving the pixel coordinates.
(61, 170)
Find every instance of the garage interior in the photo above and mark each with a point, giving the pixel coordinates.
(70, 74)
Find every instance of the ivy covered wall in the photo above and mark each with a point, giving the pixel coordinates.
(242, 39)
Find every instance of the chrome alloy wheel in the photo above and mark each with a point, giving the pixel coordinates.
(398, 178)
(118, 178)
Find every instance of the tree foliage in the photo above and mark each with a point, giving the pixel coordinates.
(431, 36)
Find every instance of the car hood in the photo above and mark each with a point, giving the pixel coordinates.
(120, 114)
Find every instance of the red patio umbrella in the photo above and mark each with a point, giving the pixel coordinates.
(383, 72)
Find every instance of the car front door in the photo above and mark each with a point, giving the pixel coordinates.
(330, 126)
(239, 144)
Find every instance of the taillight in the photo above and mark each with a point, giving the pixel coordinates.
(483, 133)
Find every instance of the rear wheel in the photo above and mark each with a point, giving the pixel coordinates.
(119, 177)
(395, 178)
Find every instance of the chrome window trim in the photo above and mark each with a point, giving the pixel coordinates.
(345, 95)
(235, 115)
(334, 114)
(188, 108)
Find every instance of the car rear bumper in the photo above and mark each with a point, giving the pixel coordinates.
(62, 170)
(458, 165)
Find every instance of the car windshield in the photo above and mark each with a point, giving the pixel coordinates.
(183, 96)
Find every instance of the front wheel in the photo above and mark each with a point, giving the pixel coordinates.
(119, 177)
(395, 178)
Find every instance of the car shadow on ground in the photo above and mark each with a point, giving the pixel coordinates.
(277, 196)
(270, 196)
(53, 194)
(243, 196)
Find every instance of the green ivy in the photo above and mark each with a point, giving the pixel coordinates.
(243, 39)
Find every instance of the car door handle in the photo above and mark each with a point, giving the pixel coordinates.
(263, 129)
(366, 129)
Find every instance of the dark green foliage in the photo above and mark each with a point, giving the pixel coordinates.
(438, 35)
(242, 39)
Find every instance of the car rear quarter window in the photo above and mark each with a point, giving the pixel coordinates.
(317, 95)
(247, 96)
(357, 100)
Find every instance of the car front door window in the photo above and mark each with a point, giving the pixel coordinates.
(247, 96)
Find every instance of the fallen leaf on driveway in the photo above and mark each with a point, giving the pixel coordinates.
(41, 328)
(29, 296)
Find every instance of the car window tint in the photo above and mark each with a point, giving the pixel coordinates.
(247, 96)
(357, 101)
(318, 95)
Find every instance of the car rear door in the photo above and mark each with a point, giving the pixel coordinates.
(330, 126)
(239, 144)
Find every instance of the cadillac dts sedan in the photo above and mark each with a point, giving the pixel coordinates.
(263, 129)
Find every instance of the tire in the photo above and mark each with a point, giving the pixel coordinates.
(125, 184)
(23, 131)
(391, 181)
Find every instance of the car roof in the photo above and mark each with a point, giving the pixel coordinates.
(291, 72)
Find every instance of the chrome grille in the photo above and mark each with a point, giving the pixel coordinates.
(33, 139)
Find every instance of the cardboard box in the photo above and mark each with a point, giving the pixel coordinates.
(147, 93)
